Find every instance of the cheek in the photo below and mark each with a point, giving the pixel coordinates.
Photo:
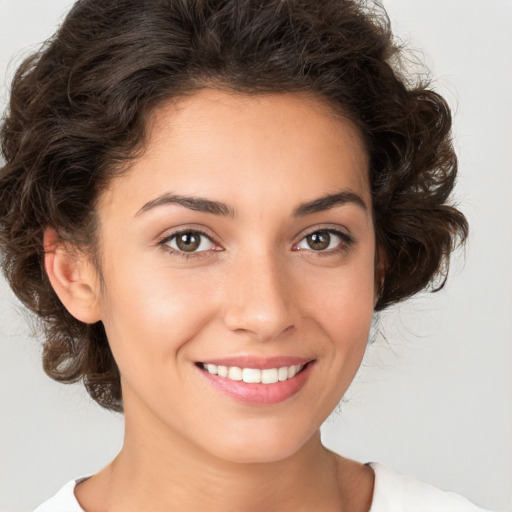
(149, 316)
(343, 296)
(342, 304)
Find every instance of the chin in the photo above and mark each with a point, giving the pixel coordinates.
(260, 447)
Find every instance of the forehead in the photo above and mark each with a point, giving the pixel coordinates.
(247, 148)
(272, 119)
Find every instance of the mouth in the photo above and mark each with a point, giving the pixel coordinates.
(254, 375)
(257, 382)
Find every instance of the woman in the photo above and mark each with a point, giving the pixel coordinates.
(205, 203)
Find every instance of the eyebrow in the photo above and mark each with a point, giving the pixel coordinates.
(330, 201)
(217, 208)
(192, 203)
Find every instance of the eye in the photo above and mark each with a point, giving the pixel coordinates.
(324, 240)
(189, 242)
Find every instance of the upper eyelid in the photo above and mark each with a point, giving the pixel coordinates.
(329, 228)
(170, 235)
(345, 238)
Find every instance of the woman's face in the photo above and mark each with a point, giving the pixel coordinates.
(241, 243)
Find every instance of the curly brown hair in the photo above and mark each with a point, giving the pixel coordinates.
(78, 111)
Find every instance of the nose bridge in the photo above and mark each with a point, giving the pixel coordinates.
(259, 296)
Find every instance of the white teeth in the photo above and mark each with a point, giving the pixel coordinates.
(235, 373)
(254, 375)
(282, 373)
(269, 376)
(212, 368)
(251, 375)
(292, 370)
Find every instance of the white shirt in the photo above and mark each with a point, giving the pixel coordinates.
(392, 493)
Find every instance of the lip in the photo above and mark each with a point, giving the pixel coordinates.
(259, 363)
(259, 394)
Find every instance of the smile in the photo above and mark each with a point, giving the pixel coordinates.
(256, 381)
(254, 375)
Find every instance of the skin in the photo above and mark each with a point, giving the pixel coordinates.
(257, 289)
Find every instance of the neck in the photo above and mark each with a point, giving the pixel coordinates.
(161, 470)
(184, 480)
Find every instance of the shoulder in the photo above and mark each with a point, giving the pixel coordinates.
(398, 493)
(63, 501)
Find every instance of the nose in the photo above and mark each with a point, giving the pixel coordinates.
(259, 299)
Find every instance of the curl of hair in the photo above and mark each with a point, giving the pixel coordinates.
(78, 112)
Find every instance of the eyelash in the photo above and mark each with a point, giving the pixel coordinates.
(346, 241)
(183, 254)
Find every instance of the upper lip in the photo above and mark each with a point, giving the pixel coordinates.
(260, 363)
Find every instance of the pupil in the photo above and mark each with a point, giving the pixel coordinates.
(188, 242)
(319, 241)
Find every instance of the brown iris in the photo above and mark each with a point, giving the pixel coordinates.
(319, 240)
(188, 242)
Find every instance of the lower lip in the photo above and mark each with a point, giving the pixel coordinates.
(263, 394)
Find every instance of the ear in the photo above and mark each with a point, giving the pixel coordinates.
(73, 277)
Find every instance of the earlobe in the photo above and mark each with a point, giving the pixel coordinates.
(72, 277)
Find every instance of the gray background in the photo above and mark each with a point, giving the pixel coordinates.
(434, 400)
